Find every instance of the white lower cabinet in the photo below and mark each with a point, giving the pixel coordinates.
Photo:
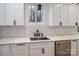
(42, 49)
(74, 48)
(19, 49)
(30, 49)
(77, 48)
(4, 50)
(36, 51)
(49, 50)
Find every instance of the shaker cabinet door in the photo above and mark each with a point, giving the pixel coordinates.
(49, 50)
(14, 14)
(2, 15)
(53, 12)
(72, 15)
(77, 48)
(77, 15)
(10, 14)
(19, 14)
(36, 51)
(58, 14)
(74, 48)
(5, 50)
(63, 14)
(19, 50)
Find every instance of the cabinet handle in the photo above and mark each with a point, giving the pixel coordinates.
(76, 24)
(42, 50)
(20, 44)
(58, 44)
(14, 22)
(60, 23)
(73, 40)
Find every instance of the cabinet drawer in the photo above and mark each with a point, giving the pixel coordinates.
(35, 44)
(48, 44)
(42, 44)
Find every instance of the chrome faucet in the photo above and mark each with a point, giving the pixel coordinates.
(38, 34)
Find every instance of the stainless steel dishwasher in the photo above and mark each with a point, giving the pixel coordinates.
(63, 48)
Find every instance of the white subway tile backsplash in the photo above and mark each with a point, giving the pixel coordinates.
(32, 28)
(50, 31)
(61, 30)
(22, 31)
(12, 31)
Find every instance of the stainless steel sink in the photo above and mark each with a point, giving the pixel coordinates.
(40, 38)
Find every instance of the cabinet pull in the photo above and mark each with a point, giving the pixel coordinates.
(42, 50)
(60, 23)
(73, 40)
(20, 44)
(76, 24)
(14, 22)
(58, 44)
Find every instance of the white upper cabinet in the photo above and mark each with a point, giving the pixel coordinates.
(19, 14)
(2, 15)
(72, 15)
(63, 14)
(10, 13)
(14, 14)
(52, 15)
(77, 14)
(58, 14)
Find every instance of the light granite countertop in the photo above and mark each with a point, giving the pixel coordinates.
(27, 39)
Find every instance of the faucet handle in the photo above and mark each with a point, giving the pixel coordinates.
(37, 30)
(34, 34)
(41, 34)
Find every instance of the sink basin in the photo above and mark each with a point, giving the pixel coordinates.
(40, 38)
